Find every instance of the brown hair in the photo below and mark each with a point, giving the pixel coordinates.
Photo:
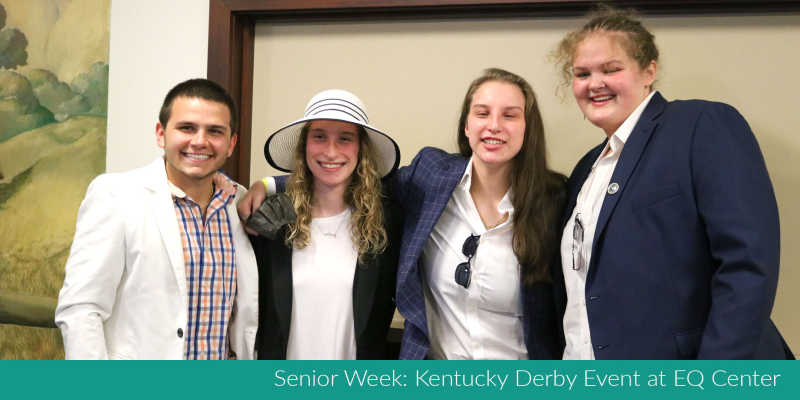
(537, 193)
(635, 39)
(363, 194)
(199, 88)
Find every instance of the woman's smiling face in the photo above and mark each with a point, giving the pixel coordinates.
(607, 83)
(332, 153)
(495, 124)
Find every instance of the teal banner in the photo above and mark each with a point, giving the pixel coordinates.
(401, 379)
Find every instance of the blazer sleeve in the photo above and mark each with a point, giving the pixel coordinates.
(275, 184)
(280, 183)
(93, 272)
(398, 182)
(244, 318)
(737, 204)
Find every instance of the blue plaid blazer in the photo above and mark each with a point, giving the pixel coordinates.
(423, 190)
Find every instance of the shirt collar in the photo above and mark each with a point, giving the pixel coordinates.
(221, 183)
(620, 136)
(176, 191)
(624, 130)
(466, 182)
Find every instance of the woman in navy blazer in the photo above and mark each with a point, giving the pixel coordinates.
(670, 248)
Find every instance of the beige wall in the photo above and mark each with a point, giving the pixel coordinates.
(150, 52)
(412, 76)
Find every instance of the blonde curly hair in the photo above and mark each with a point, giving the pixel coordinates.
(638, 42)
(363, 194)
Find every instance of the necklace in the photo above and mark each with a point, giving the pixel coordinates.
(496, 224)
(335, 232)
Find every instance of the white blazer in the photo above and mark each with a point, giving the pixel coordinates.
(124, 294)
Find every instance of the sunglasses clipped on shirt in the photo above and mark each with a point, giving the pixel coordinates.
(464, 270)
(577, 244)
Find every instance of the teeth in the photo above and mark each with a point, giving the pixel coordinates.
(326, 165)
(602, 98)
(492, 141)
(197, 156)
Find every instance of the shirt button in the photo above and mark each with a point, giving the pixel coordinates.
(180, 332)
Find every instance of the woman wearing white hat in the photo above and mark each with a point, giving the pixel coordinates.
(327, 278)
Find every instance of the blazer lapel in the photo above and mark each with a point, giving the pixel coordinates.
(631, 153)
(167, 221)
(364, 284)
(281, 266)
(450, 173)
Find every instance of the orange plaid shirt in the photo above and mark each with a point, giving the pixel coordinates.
(209, 258)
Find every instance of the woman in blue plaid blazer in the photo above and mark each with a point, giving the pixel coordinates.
(424, 188)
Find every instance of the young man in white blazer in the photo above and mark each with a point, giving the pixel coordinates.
(160, 267)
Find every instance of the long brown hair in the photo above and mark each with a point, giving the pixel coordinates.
(537, 193)
(363, 194)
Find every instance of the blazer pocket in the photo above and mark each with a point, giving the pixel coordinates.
(655, 196)
(688, 343)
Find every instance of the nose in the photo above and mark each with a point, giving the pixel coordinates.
(200, 138)
(494, 123)
(596, 82)
(330, 149)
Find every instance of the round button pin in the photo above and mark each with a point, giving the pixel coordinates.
(613, 188)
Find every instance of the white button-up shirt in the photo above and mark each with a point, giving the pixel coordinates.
(483, 321)
(587, 209)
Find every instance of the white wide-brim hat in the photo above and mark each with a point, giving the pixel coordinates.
(336, 105)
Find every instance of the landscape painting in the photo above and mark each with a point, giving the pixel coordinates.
(53, 101)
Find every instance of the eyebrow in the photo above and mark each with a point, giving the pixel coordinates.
(313, 130)
(504, 108)
(190, 122)
(602, 64)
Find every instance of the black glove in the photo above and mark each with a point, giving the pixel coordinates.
(275, 212)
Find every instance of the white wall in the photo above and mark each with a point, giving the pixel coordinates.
(154, 45)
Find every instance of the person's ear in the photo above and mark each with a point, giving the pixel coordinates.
(650, 73)
(160, 135)
(234, 139)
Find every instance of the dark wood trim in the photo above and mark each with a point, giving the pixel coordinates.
(232, 29)
(245, 100)
(230, 63)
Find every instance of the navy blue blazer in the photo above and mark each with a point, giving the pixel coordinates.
(685, 257)
(423, 189)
